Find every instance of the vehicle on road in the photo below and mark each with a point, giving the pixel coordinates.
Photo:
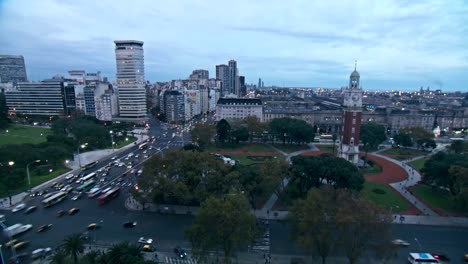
(55, 198)
(180, 252)
(19, 207)
(400, 242)
(113, 158)
(130, 224)
(93, 226)
(148, 248)
(43, 228)
(40, 252)
(76, 197)
(441, 256)
(69, 176)
(61, 213)
(143, 240)
(73, 211)
(90, 165)
(86, 186)
(143, 145)
(21, 245)
(16, 229)
(30, 209)
(88, 177)
(2, 218)
(109, 195)
(416, 258)
(11, 243)
(94, 191)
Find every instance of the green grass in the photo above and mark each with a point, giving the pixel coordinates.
(122, 143)
(244, 160)
(260, 148)
(371, 170)
(402, 153)
(290, 148)
(23, 134)
(36, 180)
(418, 164)
(225, 146)
(389, 200)
(436, 198)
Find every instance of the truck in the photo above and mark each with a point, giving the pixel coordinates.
(16, 229)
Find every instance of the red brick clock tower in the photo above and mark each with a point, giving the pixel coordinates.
(351, 121)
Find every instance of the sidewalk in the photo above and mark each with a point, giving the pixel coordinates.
(85, 157)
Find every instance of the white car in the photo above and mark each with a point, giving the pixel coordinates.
(76, 197)
(400, 242)
(143, 240)
(113, 158)
(40, 252)
(144, 152)
(19, 207)
(24, 228)
(129, 166)
(69, 176)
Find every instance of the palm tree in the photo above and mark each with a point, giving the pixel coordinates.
(59, 257)
(73, 246)
(92, 257)
(124, 253)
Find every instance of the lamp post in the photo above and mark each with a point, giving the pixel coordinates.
(112, 139)
(27, 173)
(419, 244)
(78, 150)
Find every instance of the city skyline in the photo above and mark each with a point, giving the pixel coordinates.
(398, 44)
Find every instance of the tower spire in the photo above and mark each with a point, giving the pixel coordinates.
(355, 64)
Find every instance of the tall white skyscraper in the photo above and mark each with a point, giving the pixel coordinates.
(131, 80)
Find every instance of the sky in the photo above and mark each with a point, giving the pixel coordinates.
(398, 44)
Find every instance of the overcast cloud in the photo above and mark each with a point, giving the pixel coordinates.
(399, 44)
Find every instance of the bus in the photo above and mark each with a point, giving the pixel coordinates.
(86, 186)
(90, 165)
(88, 177)
(106, 197)
(143, 145)
(58, 197)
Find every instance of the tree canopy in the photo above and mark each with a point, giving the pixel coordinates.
(4, 120)
(291, 130)
(371, 135)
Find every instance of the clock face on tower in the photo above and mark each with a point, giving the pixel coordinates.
(355, 97)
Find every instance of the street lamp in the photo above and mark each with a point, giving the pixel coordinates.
(112, 139)
(419, 244)
(11, 163)
(27, 173)
(78, 150)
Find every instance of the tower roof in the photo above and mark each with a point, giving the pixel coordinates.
(355, 74)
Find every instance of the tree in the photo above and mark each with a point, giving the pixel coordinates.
(371, 135)
(334, 137)
(240, 134)
(222, 129)
(436, 169)
(419, 136)
(123, 253)
(59, 257)
(202, 134)
(254, 126)
(291, 130)
(274, 172)
(403, 139)
(73, 246)
(224, 224)
(91, 257)
(339, 220)
(4, 121)
(457, 146)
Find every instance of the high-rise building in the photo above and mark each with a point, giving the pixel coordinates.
(199, 75)
(174, 107)
(233, 82)
(222, 74)
(131, 80)
(12, 69)
(259, 82)
(351, 121)
(242, 87)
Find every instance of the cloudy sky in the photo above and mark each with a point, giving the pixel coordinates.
(399, 44)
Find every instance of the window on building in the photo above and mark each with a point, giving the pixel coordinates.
(354, 121)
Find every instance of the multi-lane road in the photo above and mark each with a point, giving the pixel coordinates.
(168, 230)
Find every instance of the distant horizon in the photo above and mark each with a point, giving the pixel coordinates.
(397, 44)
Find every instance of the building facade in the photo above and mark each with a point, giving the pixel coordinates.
(236, 108)
(131, 80)
(222, 74)
(351, 121)
(12, 69)
(233, 78)
(174, 107)
(199, 75)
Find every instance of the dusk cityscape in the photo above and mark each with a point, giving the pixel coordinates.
(246, 132)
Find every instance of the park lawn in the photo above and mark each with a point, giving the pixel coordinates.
(290, 148)
(244, 160)
(36, 180)
(122, 143)
(403, 153)
(327, 148)
(260, 148)
(418, 164)
(18, 134)
(438, 198)
(390, 200)
(374, 169)
(225, 146)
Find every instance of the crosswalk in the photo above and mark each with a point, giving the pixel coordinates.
(175, 260)
(262, 243)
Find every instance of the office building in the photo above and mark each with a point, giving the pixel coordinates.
(12, 69)
(233, 82)
(235, 108)
(242, 87)
(130, 80)
(222, 74)
(174, 107)
(199, 75)
(192, 103)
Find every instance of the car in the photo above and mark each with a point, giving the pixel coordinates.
(21, 245)
(69, 176)
(102, 180)
(129, 166)
(19, 207)
(441, 256)
(32, 194)
(145, 151)
(73, 211)
(93, 226)
(143, 240)
(146, 156)
(101, 170)
(148, 248)
(43, 228)
(40, 252)
(114, 158)
(180, 252)
(400, 242)
(61, 213)
(30, 209)
(132, 171)
(130, 224)
(137, 156)
(11, 243)
(465, 257)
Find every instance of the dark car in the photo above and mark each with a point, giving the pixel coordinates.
(44, 228)
(61, 213)
(30, 209)
(180, 252)
(441, 256)
(73, 211)
(130, 224)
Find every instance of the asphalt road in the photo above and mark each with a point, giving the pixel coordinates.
(168, 230)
